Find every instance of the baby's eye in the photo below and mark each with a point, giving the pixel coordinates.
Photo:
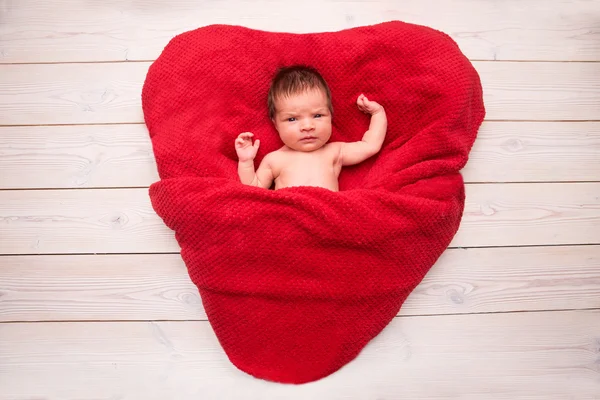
(291, 119)
(318, 116)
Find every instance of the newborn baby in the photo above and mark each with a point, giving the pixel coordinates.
(300, 107)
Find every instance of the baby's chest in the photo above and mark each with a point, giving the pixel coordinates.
(308, 165)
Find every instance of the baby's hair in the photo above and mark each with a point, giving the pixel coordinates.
(293, 80)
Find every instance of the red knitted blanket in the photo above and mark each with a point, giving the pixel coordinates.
(295, 282)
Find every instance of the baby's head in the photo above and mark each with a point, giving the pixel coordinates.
(300, 107)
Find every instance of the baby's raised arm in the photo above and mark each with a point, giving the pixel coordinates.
(246, 152)
(356, 152)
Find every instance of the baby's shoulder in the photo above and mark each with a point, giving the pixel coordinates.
(333, 146)
(274, 157)
(333, 149)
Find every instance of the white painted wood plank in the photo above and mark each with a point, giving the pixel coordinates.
(37, 31)
(81, 221)
(111, 92)
(549, 355)
(530, 214)
(96, 156)
(541, 91)
(123, 221)
(157, 287)
(78, 156)
(97, 287)
(535, 151)
(71, 93)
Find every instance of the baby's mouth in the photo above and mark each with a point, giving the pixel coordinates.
(308, 139)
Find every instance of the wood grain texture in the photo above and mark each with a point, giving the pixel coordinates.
(541, 91)
(80, 156)
(157, 287)
(530, 214)
(535, 152)
(111, 92)
(123, 221)
(81, 221)
(37, 31)
(71, 93)
(549, 355)
(96, 156)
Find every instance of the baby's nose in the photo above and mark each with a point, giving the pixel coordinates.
(307, 125)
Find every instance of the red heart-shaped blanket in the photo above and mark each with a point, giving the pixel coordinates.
(295, 282)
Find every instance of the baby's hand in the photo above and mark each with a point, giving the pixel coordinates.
(244, 148)
(367, 106)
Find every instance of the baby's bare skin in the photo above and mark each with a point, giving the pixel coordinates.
(319, 168)
(307, 159)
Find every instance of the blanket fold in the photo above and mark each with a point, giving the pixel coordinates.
(295, 282)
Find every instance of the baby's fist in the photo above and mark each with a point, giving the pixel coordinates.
(244, 148)
(367, 106)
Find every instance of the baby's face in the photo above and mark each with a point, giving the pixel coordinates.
(303, 120)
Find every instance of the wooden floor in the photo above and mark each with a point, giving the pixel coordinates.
(95, 302)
